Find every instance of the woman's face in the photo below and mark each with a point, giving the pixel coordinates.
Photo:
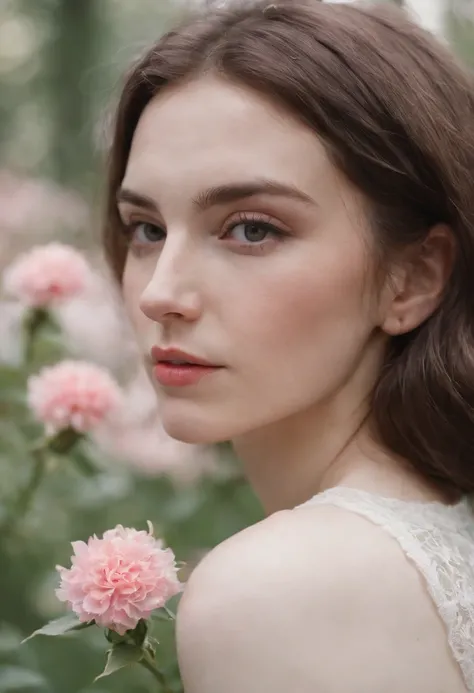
(249, 251)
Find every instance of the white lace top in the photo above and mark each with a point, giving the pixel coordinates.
(439, 539)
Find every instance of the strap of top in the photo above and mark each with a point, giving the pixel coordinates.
(439, 539)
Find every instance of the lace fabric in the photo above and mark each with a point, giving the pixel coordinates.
(439, 540)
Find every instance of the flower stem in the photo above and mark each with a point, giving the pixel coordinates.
(34, 320)
(148, 662)
(26, 495)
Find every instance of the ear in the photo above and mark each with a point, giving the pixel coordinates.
(416, 286)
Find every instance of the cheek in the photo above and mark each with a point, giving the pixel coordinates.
(314, 309)
(133, 285)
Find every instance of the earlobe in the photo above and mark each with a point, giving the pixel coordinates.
(418, 289)
(393, 326)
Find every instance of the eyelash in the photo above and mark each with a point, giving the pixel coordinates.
(263, 221)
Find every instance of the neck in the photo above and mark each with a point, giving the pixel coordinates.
(292, 460)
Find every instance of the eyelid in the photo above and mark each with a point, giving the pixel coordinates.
(130, 217)
(242, 217)
(275, 227)
(129, 223)
(139, 247)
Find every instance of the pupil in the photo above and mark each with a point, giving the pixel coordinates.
(254, 232)
(151, 232)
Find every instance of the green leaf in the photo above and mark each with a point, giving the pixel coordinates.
(171, 615)
(121, 656)
(163, 614)
(113, 637)
(139, 633)
(84, 464)
(13, 678)
(60, 626)
(11, 378)
(150, 646)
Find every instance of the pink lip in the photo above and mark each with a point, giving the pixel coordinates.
(158, 355)
(178, 375)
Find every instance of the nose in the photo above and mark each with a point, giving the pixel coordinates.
(172, 292)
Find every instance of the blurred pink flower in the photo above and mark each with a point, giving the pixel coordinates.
(151, 452)
(73, 394)
(93, 323)
(135, 436)
(119, 579)
(47, 274)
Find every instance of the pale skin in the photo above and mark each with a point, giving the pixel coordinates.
(311, 600)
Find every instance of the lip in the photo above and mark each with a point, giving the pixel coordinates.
(190, 372)
(158, 355)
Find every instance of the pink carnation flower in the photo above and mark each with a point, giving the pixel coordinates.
(46, 274)
(73, 394)
(119, 579)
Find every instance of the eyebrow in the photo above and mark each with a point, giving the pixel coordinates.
(223, 194)
(125, 195)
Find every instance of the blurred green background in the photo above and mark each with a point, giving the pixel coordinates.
(61, 63)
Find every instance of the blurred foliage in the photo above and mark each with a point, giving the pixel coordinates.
(60, 65)
(61, 62)
(60, 68)
(85, 493)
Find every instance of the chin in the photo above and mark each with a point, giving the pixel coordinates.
(192, 431)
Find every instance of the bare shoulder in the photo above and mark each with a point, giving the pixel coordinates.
(312, 600)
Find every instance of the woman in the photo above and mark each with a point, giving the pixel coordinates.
(291, 217)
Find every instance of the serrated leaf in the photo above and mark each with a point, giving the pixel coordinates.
(13, 678)
(121, 656)
(60, 626)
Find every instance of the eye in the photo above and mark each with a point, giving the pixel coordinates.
(144, 233)
(251, 231)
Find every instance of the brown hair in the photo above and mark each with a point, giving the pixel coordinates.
(396, 112)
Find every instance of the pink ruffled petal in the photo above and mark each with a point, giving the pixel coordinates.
(119, 579)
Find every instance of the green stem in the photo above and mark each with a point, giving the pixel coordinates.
(34, 321)
(26, 495)
(150, 665)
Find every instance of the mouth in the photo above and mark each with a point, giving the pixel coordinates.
(176, 368)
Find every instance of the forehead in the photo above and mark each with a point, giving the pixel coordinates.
(211, 131)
